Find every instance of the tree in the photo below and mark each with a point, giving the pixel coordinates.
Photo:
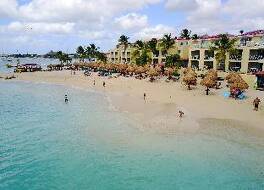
(101, 57)
(91, 51)
(195, 36)
(152, 45)
(123, 39)
(143, 58)
(141, 53)
(63, 57)
(80, 52)
(172, 60)
(241, 32)
(222, 46)
(167, 42)
(186, 34)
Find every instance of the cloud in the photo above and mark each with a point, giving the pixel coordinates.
(154, 32)
(131, 21)
(8, 8)
(181, 5)
(40, 28)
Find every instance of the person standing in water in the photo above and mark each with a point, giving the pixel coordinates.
(66, 98)
(256, 103)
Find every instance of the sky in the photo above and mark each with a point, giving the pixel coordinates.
(38, 26)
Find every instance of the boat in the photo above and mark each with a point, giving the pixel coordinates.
(29, 67)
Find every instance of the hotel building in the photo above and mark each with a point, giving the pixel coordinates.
(197, 54)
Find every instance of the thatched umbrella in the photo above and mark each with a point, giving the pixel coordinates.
(233, 77)
(130, 69)
(239, 84)
(190, 78)
(140, 70)
(169, 71)
(152, 72)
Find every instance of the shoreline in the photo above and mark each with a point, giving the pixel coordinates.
(160, 111)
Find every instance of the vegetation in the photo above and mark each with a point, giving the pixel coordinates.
(63, 57)
(81, 53)
(167, 42)
(195, 36)
(152, 45)
(222, 46)
(91, 51)
(141, 54)
(186, 34)
(172, 60)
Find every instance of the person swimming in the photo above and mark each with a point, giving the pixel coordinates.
(66, 98)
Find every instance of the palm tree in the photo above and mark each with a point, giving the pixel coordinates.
(186, 34)
(195, 36)
(91, 51)
(63, 57)
(222, 46)
(141, 53)
(123, 40)
(167, 41)
(80, 52)
(152, 45)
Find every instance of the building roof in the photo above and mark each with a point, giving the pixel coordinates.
(260, 73)
(253, 33)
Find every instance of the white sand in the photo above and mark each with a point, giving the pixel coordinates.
(160, 110)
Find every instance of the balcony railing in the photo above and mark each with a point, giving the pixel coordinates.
(256, 57)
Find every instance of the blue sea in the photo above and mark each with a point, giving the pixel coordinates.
(46, 144)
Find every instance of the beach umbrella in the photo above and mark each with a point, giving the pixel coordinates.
(152, 72)
(239, 84)
(130, 69)
(169, 71)
(190, 78)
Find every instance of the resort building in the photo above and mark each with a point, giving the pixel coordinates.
(249, 56)
(197, 54)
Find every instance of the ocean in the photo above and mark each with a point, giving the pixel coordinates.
(47, 144)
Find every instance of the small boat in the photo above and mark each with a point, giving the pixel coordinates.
(9, 60)
(30, 67)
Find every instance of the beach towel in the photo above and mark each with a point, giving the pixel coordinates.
(226, 94)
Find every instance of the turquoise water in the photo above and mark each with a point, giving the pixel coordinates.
(47, 144)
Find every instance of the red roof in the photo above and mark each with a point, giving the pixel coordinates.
(260, 73)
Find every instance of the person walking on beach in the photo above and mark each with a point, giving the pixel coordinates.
(94, 82)
(104, 84)
(66, 98)
(145, 96)
(256, 103)
(181, 113)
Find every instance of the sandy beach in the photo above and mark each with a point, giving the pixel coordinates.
(159, 112)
